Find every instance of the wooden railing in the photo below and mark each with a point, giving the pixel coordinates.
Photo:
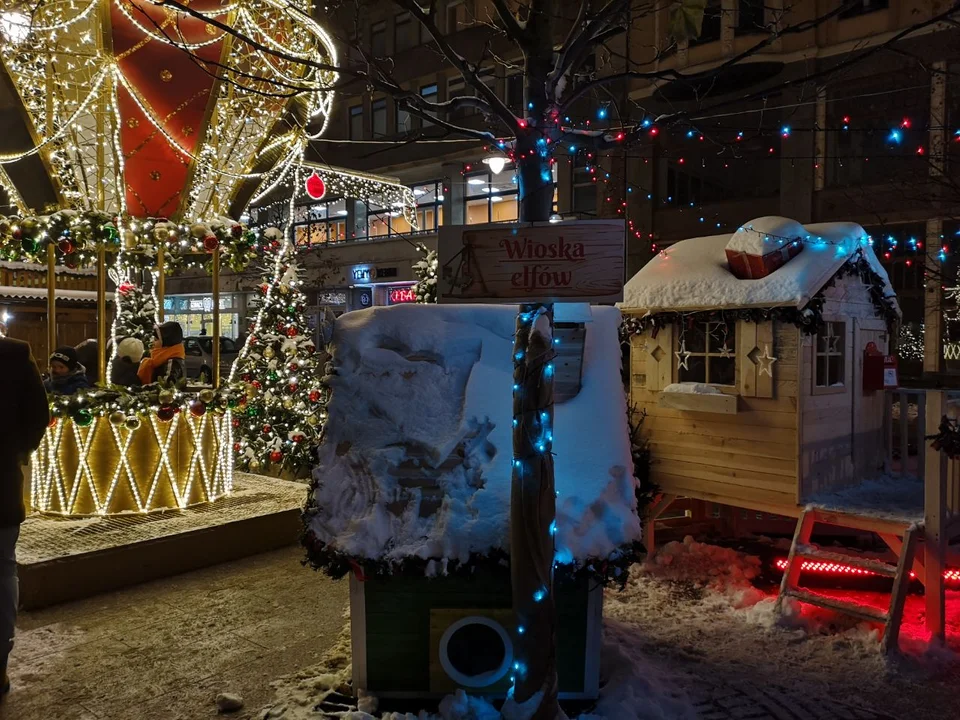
(20, 277)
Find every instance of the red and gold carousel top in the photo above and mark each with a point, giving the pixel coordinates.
(158, 109)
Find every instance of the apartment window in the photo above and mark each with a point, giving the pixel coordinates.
(429, 198)
(356, 122)
(404, 124)
(378, 39)
(491, 198)
(320, 223)
(831, 348)
(456, 15)
(706, 353)
(863, 7)
(430, 94)
(712, 23)
(584, 191)
(751, 17)
(405, 35)
(378, 111)
(513, 94)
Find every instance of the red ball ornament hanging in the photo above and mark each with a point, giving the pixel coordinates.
(166, 413)
(264, 287)
(66, 246)
(210, 243)
(247, 377)
(124, 288)
(236, 447)
(235, 423)
(197, 409)
(314, 396)
(276, 456)
(292, 387)
(293, 367)
(298, 438)
(53, 421)
(236, 231)
(315, 186)
(266, 429)
(292, 332)
(281, 327)
(257, 384)
(17, 233)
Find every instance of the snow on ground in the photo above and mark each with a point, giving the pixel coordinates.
(694, 274)
(421, 408)
(889, 497)
(692, 388)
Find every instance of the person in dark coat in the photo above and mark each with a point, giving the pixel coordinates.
(67, 374)
(20, 434)
(167, 362)
(89, 357)
(127, 362)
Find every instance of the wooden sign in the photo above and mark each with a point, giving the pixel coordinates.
(579, 261)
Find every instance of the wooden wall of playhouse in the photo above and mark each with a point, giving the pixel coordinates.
(778, 439)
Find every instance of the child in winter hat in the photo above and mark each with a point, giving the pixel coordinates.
(125, 364)
(67, 375)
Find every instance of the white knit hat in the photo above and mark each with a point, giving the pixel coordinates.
(130, 348)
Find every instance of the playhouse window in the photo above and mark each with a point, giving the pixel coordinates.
(830, 355)
(709, 349)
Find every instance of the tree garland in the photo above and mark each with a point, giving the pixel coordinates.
(947, 439)
(125, 406)
(77, 237)
(426, 271)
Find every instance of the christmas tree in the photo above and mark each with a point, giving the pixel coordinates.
(136, 313)
(278, 419)
(426, 271)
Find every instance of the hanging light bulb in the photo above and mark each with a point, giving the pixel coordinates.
(495, 163)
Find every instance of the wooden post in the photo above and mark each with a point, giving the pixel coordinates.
(216, 317)
(102, 314)
(161, 283)
(933, 301)
(935, 504)
(820, 141)
(51, 299)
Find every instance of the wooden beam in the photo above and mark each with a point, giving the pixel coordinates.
(898, 596)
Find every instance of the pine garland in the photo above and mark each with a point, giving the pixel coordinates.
(426, 271)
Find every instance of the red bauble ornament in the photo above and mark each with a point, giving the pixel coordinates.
(292, 387)
(236, 447)
(65, 246)
(53, 421)
(197, 409)
(314, 396)
(267, 429)
(235, 423)
(166, 412)
(210, 243)
(256, 384)
(264, 288)
(314, 186)
(124, 288)
(292, 332)
(276, 456)
(248, 377)
(236, 231)
(298, 438)
(281, 327)
(17, 234)
(294, 367)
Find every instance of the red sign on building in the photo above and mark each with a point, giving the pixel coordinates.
(402, 295)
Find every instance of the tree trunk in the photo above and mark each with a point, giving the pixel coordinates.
(533, 497)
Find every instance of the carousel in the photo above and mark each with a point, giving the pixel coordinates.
(154, 131)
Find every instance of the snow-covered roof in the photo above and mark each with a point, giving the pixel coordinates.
(694, 275)
(421, 410)
(36, 267)
(40, 293)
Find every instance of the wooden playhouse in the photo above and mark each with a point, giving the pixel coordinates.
(411, 495)
(758, 358)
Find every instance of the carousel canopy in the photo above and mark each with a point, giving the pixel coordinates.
(145, 110)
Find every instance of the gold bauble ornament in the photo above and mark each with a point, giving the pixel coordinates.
(129, 239)
(312, 419)
(132, 422)
(117, 418)
(284, 289)
(207, 396)
(268, 352)
(254, 464)
(288, 404)
(165, 397)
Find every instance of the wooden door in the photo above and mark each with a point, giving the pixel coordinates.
(868, 408)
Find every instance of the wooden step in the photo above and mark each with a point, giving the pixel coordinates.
(811, 552)
(862, 612)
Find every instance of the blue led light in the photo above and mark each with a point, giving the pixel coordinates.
(556, 341)
(519, 356)
(553, 527)
(521, 629)
(548, 370)
(647, 122)
(515, 422)
(544, 416)
(895, 136)
(690, 133)
(516, 386)
(785, 131)
(517, 463)
(573, 148)
(602, 113)
(539, 595)
(529, 106)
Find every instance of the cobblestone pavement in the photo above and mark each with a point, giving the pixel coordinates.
(733, 700)
(163, 650)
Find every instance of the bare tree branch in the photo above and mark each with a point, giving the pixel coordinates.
(567, 59)
(516, 29)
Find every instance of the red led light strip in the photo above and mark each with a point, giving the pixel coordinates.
(830, 568)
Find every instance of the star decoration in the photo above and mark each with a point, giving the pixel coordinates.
(166, 75)
(765, 362)
(726, 352)
(132, 122)
(683, 356)
(832, 343)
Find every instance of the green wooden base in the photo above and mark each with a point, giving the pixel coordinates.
(398, 624)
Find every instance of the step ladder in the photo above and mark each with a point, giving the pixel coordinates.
(801, 550)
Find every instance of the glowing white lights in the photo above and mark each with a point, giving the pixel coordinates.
(496, 163)
(14, 26)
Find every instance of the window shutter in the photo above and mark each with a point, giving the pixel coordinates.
(659, 350)
(754, 358)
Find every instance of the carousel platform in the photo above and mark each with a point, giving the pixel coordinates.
(61, 559)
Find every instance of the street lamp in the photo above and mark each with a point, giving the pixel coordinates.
(495, 163)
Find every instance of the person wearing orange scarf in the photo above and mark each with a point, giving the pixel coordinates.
(166, 361)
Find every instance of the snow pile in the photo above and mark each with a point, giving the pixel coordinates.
(694, 274)
(416, 456)
(898, 498)
(693, 388)
(765, 235)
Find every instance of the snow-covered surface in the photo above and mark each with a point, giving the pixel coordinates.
(692, 388)
(40, 293)
(766, 234)
(422, 395)
(888, 497)
(36, 267)
(693, 274)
